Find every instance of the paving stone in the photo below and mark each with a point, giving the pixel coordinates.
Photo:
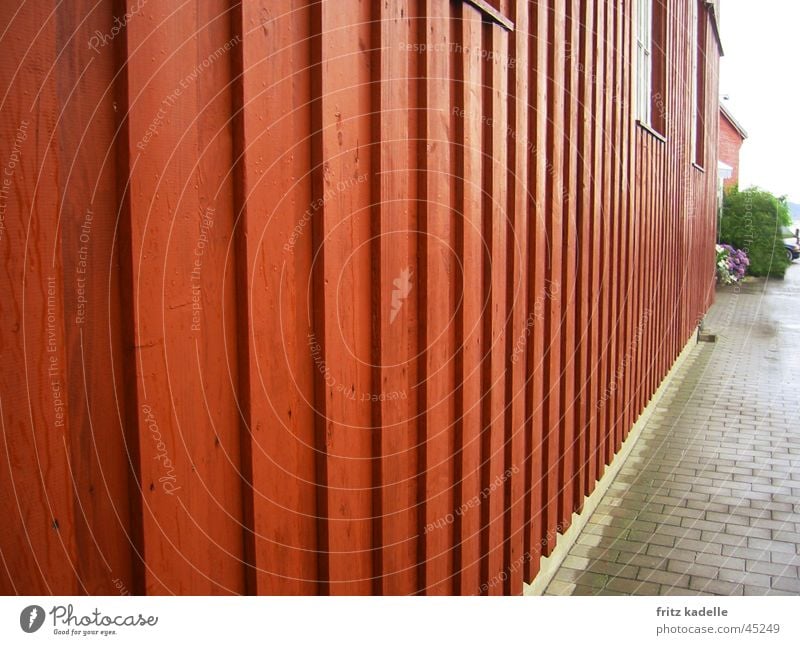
(718, 587)
(772, 568)
(786, 536)
(722, 561)
(595, 552)
(671, 553)
(692, 568)
(663, 577)
(680, 591)
(703, 525)
(786, 584)
(575, 562)
(727, 518)
(702, 546)
(755, 579)
(581, 577)
(747, 531)
(659, 538)
(633, 587)
(641, 560)
(771, 545)
(559, 588)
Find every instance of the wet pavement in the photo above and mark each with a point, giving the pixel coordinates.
(708, 503)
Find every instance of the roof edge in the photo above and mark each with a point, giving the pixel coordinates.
(732, 120)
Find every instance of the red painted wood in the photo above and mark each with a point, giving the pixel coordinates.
(437, 304)
(495, 226)
(277, 339)
(518, 324)
(395, 343)
(470, 350)
(88, 209)
(554, 247)
(429, 307)
(567, 292)
(342, 297)
(37, 538)
(536, 530)
(584, 58)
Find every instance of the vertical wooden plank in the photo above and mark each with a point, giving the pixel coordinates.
(537, 271)
(619, 221)
(189, 456)
(608, 279)
(395, 278)
(277, 345)
(37, 538)
(495, 82)
(629, 186)
(595, 391)
(601, 238)
(554, 213)
(468, 359)
(88, 206)
(518, 333)
(343, 295)
(437, 273)
(569, 194)
(583, 314)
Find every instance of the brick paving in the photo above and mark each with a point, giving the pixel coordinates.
(708, 503)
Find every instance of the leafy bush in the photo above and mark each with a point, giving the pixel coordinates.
(731, 264)
(752, 220)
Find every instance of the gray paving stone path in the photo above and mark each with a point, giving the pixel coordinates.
(708, 503)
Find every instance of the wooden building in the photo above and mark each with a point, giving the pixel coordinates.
(338, 296)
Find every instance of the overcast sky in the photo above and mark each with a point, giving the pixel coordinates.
(759, 72)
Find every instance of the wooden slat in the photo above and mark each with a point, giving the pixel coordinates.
(583, 285)
(88, 209)
(538, 111)
(37, 538)
(342, 234)
(468, 320)
(179, 189)
(494, 281)
(437, 274)
(518, 333)
(276, 334)
(596, 393)
(554, 227)
(567, 292)
(395, 342)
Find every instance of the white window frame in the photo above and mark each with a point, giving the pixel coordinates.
(644, 61)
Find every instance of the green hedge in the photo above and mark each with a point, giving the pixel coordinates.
(752, 220)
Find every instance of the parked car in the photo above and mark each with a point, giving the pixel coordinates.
(792, 249)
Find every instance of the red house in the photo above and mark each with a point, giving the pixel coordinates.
(337, 297)
(731, 138)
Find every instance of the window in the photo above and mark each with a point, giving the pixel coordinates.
(651, 58)
(700, 32)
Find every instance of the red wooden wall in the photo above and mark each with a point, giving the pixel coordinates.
(330, 297)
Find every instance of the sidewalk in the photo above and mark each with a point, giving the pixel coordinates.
(708, 502)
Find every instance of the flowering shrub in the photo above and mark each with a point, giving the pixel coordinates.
(731, 264)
